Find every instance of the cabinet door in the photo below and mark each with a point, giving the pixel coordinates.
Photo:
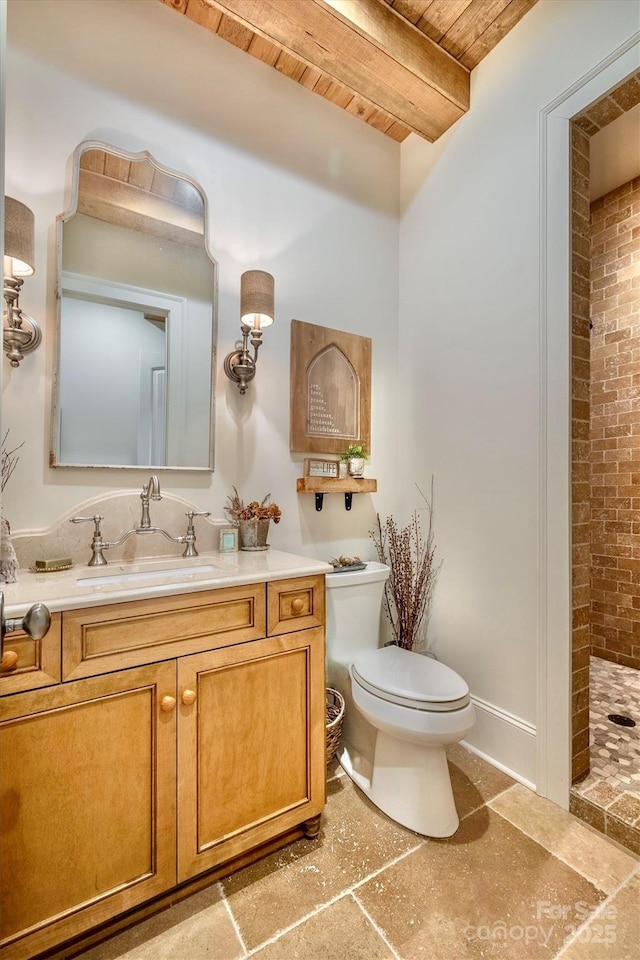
(251, 759)
(87, 804)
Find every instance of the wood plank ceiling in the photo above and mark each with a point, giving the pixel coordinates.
(402, 66)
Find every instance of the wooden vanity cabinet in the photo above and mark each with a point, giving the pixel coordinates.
(118, 787)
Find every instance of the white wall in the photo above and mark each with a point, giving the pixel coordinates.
(294, 187)
(470, 340)
(614, 154)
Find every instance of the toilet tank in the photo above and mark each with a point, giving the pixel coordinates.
(354, 602)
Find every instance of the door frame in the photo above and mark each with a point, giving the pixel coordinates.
(553, 760)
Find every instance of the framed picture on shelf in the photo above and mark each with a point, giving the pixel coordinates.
(228, 540)
(321, 468)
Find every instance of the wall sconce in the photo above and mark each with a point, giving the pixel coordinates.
(256, 313)
(17, 337)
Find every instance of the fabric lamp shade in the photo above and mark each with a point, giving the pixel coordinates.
(19, 237)
(256, 299)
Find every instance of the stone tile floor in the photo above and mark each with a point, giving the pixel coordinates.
(520, 879)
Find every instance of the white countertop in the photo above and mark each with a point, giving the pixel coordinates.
(151, 578)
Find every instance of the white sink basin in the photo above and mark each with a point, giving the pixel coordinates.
(152, 573)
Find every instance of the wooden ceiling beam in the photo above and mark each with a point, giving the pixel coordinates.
(363, 45)
(405, 45)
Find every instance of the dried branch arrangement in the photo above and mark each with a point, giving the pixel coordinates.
(10, 459)
(409, 590)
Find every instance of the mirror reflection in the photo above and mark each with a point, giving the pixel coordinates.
(136, 323)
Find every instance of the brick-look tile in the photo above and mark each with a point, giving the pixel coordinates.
(615, 433)
(586, 125)
(627, 95)
(580, 450)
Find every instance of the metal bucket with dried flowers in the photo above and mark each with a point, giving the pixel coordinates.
(253, 520)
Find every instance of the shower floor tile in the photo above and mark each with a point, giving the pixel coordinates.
(615, 750)
(609, 797)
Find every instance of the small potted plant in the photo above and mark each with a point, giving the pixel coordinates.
(252, 519)
(355, 456)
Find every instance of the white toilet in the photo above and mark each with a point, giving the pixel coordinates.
(402, 708)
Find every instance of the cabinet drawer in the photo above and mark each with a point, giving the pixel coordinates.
(295, 604)
(99, 639)
(38, 660)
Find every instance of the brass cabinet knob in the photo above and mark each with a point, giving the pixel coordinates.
(297, 605)
(167, 704)
(188, 697)
(9, 661)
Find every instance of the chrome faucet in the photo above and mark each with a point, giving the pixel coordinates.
(151, 491)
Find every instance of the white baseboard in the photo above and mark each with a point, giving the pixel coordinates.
(505, 741)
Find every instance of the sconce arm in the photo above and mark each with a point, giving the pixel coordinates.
(239, 365)
(17, 339)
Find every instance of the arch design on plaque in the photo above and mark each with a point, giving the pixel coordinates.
(332, 395)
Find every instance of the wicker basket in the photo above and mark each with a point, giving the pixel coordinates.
(334, 718)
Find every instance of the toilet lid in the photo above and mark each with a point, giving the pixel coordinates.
(410, 679)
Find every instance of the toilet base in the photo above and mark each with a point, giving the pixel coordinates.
(409, 782)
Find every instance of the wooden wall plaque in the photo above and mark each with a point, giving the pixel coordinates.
(330, 389)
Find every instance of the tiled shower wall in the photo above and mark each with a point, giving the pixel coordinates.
(580, 450)
(615, 428)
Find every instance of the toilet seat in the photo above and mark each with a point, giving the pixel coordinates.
(410, 680)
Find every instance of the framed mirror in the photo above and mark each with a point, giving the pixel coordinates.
(136, 336)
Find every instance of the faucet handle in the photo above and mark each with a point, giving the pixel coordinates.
(197, 513)
(95, 519)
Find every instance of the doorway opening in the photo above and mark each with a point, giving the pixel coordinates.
(605, 415)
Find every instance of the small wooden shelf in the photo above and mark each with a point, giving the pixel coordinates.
(321, 485)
